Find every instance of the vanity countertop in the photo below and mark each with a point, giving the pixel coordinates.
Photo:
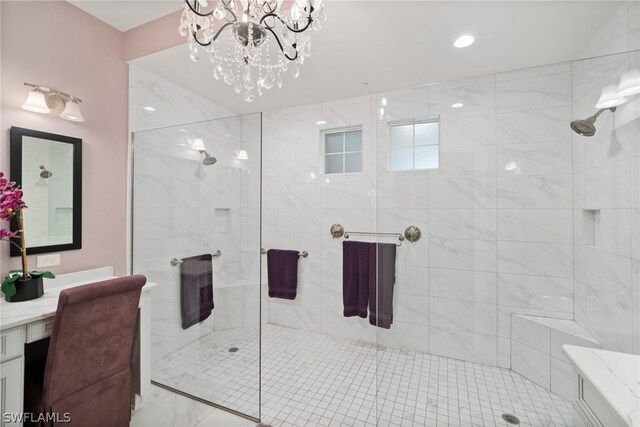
(19, 313)
(615, 375)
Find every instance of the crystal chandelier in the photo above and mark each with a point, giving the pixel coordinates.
(252, 43)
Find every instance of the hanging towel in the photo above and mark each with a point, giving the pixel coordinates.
(196, 289)
(381, 284)
(282, 273)
(356, 275)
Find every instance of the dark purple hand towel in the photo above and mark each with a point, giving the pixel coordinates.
(355, 278)
(196, 289)
(282, 272)
(381, 285)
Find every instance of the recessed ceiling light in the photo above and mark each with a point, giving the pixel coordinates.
(321, 122)
(183, 130)
(149, 108)
(457, 105)
(464, 41)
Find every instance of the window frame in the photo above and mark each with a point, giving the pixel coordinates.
(432, 118)
(343, 131)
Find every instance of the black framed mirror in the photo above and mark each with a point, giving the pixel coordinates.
(48, 168)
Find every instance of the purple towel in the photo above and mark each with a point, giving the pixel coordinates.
(196, 289)
(356, 274)
(381, 287)
(368, 278)
(282, 272)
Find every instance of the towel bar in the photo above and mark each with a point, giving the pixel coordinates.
(411, 233)
(302, 254)
(176, 261)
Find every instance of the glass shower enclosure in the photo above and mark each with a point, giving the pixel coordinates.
(196, 191)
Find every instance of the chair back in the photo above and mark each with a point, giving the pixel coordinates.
(88, 368)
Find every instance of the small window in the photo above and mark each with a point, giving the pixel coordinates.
(342, 151)
(414, 144)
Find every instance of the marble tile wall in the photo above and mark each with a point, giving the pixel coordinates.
(496, 216)
(607, 285)
(182, 208)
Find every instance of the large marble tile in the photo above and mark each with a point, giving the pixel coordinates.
(610, 322)
(463, 345)
(464, 316)
(412, 280)
(610, 274)
(171, 410)
(531, 363)
(563, 379)
(411, 308)
(470, 161)
(463, 223)
(541, 125)
(404, 336)
(478, 255)
(460, 132)
(530, 333)
(546, 293)
(538, 259)
(552, 90)
(534, 191)
(462, 192)
(478, 100)
(535, 225)
(539, 158)
(463, 285)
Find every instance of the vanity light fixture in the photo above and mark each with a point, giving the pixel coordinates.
(149, 109)
(321, 122)
(457, 105)
(42, 99)
(464, 41)
(629, 83)
(609, 98)
(242, 154)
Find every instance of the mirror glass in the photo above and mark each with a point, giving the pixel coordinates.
(47, 182)
(48, 167)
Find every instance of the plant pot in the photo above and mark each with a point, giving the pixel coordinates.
(26, 290)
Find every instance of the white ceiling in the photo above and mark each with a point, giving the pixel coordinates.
(396, 44)
(125, 15)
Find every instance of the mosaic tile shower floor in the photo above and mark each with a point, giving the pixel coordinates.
(311, 379)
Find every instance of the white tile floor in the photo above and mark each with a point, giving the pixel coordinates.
(310, 379)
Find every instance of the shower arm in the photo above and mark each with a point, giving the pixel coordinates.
(612, 109)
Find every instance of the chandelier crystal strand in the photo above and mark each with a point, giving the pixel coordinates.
(261, 39)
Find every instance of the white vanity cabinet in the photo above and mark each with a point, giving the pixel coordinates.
(29, 321)
(608, 388)
(11, 374)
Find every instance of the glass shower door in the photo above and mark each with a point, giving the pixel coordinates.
(196, 193)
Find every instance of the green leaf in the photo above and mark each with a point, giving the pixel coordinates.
(12, 278)
(46, 274)
(8, 288)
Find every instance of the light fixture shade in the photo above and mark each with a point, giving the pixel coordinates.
(242, 155)
(198, 144)
(608, 98)
(36, 102)
(629, 83)
(72, 112)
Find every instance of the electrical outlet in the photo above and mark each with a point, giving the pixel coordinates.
(48, 260)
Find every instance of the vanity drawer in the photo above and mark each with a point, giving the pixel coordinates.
(40, 329)
(11, 344)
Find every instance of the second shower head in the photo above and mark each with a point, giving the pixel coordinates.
(208, 158)
(587, 127)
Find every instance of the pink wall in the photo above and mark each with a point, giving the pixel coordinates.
(55, 44)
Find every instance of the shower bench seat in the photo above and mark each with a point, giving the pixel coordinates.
(536, 351)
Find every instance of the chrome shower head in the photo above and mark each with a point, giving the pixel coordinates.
(587, 127)
(208, 159)
(45, 173)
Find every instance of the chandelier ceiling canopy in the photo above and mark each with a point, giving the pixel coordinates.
(251, 43)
